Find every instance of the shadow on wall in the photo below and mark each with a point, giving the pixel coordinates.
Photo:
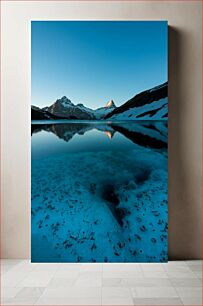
(184, 189)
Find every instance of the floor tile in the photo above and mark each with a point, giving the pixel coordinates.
(158, 301)
(25, 264)
(116, 292)
(5, 268)
(196, 268)
(90, 274)
(15, 275)
(11, 261)
(154, 292)
(136, 282)
(173, 283)
(147, 282)
(112, 282)
(21, 301)
(29, 292)
(176, 263)
(66, 274)
(115, 267)
(4, 301)
(69, 301)
(185, 282)
(91, 267)
(88, 282)
(37, 279)
(70, 267)
(123, 274)
(117, 301)
(177, 268)
(158, 274)
(9, 292)
(198, 274)
(74, 292)
(155, 267)
(177, 274)
(192, 301)
(193, 262)
(93, 278)
(47, 267)
(60, 282)
(189, 291)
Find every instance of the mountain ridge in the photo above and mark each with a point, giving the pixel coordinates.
(141, 103)
(151, 104)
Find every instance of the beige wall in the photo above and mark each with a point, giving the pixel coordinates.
(184, 103)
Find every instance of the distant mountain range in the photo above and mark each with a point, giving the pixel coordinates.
(150, 104)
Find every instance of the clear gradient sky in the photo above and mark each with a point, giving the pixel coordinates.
(92, 62)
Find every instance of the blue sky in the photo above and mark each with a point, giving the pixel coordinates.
(92, 62)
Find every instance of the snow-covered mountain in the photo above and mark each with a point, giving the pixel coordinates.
(65, 108)
(151, 104)
(101, 112)
(41, 114)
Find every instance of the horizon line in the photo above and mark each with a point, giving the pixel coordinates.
(107, 101)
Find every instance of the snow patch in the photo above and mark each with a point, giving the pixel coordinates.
(135, 113)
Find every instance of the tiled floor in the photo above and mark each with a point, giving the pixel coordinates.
(174, 283)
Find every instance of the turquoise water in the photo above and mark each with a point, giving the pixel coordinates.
(99, 191)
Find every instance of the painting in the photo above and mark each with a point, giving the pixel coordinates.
(99, 126)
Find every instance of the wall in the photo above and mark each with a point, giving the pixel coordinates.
(184, 110)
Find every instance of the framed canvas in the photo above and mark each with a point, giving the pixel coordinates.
(99, 124)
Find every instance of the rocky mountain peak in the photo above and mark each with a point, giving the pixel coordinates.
(64, 101)
(110, 103)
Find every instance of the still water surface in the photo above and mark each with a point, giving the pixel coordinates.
(99, 191)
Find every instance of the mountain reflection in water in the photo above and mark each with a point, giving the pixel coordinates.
(147, 133)
(99, 191)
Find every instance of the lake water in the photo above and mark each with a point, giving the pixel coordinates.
(99, 191)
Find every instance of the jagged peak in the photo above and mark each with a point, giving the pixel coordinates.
(64, 101)
(110, 103)
(35, 107)
(64, 98)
